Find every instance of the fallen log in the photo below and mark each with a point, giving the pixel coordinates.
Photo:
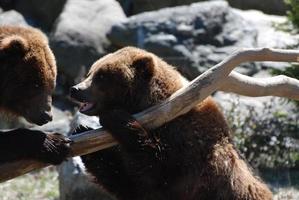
(219, 77)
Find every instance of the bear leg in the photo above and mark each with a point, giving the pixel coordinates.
(33, 144)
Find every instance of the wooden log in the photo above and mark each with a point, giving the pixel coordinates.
(179, 103)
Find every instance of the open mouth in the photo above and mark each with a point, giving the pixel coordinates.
(87, 108)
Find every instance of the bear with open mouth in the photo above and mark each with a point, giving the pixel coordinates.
(189, 158)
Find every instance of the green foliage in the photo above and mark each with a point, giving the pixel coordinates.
(291, 71)
(267, 139)
(293, 13)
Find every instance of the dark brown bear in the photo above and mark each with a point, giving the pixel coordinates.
(27, 80)
(189, 158)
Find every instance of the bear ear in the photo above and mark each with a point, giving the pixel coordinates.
(145, 66)
(13, 46)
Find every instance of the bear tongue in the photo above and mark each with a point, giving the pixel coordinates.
(86, 107)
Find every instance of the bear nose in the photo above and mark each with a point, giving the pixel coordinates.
(47, 116)
(74, 91)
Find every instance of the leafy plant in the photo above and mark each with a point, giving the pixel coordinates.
(267, 139)
(291, 71)
(293, 13)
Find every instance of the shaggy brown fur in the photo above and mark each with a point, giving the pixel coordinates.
(190, 158)
(27, 80)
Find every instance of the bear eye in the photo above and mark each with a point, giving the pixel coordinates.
(101, 77)
(37, 85)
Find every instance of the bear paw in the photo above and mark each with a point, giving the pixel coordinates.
(56, 148)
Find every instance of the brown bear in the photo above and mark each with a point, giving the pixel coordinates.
(27, 80)
(190, 158)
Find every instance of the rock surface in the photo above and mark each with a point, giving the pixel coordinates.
(37, 13)
(198, 36)
(79, 36)
(270, 35)
(132, 7)
(268, 6)
(40, 13)
(74, 183)
(191, 37)
(7, 4)
(277, 7)
(12, 18)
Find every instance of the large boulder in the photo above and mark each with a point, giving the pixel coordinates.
(191, 37)
(268, 6)
(198, 36)
(74, 184)
(79, 36)
(12, 17)
(40, 13)
(277, 7)
(270, 35)
(138, 6)
(37, 13)
(7, 4)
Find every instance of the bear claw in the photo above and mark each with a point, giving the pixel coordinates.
(56, 148)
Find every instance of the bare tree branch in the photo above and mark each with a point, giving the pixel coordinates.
(217, 77)
(280, 86)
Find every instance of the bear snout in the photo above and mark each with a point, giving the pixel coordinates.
(44, 118)
(79, 94)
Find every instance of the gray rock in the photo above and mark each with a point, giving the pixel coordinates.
(81, 119)
(12, 17)
(7, 4)
(40, 13)
(227, 101)
(277, 7)
(74, 183)
(191, 37)
(60, 124)
(37, 13)
(79, 36)
(132, 7)
(269, 35)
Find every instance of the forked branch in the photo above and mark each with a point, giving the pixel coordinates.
(280, 86)
(217, 77)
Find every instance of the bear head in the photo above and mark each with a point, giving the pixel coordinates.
(131, 79)
(28, 74)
